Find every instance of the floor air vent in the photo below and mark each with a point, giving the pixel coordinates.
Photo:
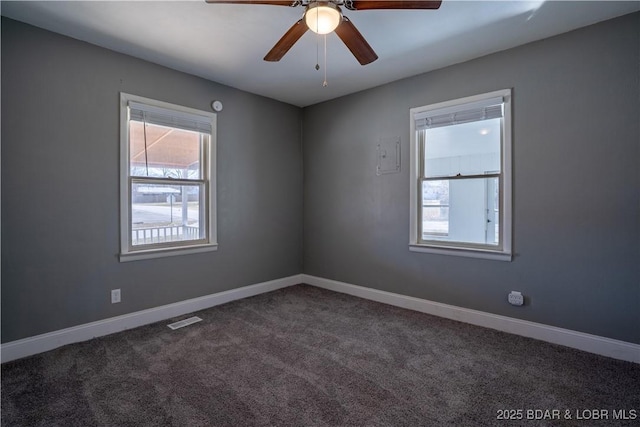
(185, 322)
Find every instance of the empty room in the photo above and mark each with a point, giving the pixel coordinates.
(320, 213)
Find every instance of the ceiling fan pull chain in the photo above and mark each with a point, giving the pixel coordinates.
(318, 43)
(325, 84)
(317, 52)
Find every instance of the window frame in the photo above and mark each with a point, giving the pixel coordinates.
(207, 181)
(503, 252)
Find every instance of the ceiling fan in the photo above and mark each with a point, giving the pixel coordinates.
(323, 17)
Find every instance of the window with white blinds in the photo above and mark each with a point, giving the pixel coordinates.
(167, 187)
(461, 177)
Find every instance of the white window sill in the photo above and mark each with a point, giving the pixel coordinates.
(464, 252)
(165, 252)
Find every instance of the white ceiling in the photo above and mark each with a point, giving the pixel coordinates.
(226, 43)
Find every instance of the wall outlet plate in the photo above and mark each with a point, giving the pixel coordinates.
(515, 298)
(115, 296)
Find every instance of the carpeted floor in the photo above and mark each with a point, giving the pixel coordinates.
(304, 356)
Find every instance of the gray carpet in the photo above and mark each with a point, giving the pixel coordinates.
(304, 356)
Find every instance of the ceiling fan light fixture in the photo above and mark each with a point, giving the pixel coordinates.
(322, 17)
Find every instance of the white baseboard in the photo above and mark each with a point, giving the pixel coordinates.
(591, 343)
(616, 349)
(45, 342)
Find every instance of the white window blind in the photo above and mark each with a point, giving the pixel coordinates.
(476, 111)
(170, 118)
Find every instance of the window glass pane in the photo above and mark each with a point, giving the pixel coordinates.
(466, 149)
(166, 213)
(461, 210)
(158, 151)
(435, 208)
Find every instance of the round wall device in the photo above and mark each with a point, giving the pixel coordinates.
(216, 105)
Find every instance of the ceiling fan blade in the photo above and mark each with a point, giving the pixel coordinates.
(394, 4)
(351, 37)
(269, 2)
(287, 41)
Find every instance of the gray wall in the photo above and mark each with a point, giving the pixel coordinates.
(576, 185)
(576, 162)
(60, 142)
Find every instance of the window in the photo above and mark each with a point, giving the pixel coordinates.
(461, 177)
(167, 179)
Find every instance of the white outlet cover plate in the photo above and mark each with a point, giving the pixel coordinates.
(115, 296)
(515, 298)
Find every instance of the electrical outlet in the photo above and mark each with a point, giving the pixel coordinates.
(515, 298)
(115, 296)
